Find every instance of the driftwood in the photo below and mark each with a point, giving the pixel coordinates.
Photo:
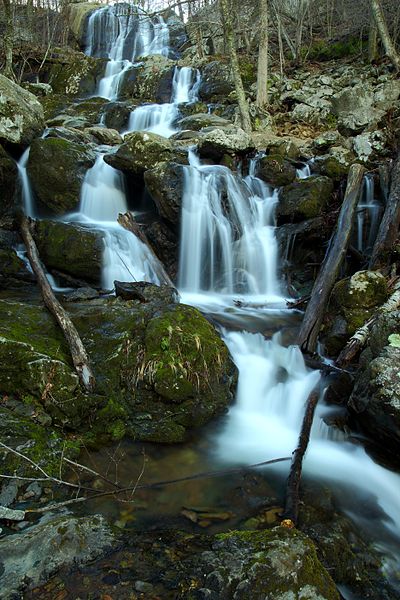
(308, 335)
(360, 338)
(78, 352)
(389, 226)
(127, 221)
(293, 482)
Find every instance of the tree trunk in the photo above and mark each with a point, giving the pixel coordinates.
(78, 352)
(8, 40)
(372, 40)
(293, 483)
(262, 67)
(230, 40)
(389, 227)
(382, 27)
(326, 278)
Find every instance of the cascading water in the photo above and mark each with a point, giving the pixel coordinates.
(227, 239)
(26, 190)
(122, 33)
(160, 118)
(368, 212)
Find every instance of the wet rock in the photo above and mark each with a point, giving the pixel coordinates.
(336, 163)
(75, 74)
(70, 248)
(104, 135)
(139, 152)
(198, 121)
(216, 81)
(78, 15)
(8, 185)
(56, 168)
(88, 110)
(28, 559)
(304, 198)
(13, 268)
(166, 245)
(145, 292)
(151, 80)
(275, 170)
(165, 185)
(116, 114)
(21, 114)
(217, 141)
(70, 134)
(85, 293)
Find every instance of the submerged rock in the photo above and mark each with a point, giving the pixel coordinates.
(29, 559)
(21, 114)
(56, 168)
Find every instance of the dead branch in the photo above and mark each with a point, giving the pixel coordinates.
(308, 335)
(77, 349)
(293, 483)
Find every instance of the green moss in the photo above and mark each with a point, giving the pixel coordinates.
(323, 50)
(248, 72)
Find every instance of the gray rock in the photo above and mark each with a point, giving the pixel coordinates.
(354, 108)
(39, 89)
(200, 120)
(8, 493)
(11, 515)
(150, 80)
(217, 141)
(104, 135)
(165, 185)
(29, 558)
(370, 145)
(21, 114)
(216, 81)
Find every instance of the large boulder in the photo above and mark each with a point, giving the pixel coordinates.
(74, 73)
(116, 114)
(177, 31)
(197, 121)
(151, 80)
(78, 14)
(160, 367)
(165, 185)
(12, 268)
(21, 114)
(354, 109)
(29, 558)
(352, 302)
(216, 81)
(56, 168)
(70, 248)
(275, 170)
(304, 198)
(140, 151)
(217, 141)
(8, 184)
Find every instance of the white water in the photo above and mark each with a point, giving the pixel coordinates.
(227, 234)
(26, 189)
(368, 212)
(160, 118)
(122, 34)
(304, 172)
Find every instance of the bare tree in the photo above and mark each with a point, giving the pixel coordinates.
(262, 67)
(8, 40)
(377, 12)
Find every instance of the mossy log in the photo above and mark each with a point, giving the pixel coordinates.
(308, 335)
(77, 349)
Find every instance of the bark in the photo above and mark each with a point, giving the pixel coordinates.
(262, 67)
(372, 41)
(382, 27)
(237, 78)
(327, 275)
(360, 338)
(128, 222)
(389, 226)
(78, 352)
(8, 40)
(293, 483)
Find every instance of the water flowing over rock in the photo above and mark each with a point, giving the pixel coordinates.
(21, 114)
(275, 170)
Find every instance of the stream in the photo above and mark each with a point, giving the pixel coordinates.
(229, 268)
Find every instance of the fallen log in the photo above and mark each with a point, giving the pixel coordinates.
(76, 347)
(389, 227)
(311, 325)
(360, 337)
(293, 482)
(127, 221)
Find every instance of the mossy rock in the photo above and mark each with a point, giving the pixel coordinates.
(78, 14)
(198, 121)
(89, 109)
(21, 114)
(305, 198)
(274, 564)
(216, 81)
(275, 170)
(70, 248)
(139, 152)
(12, 268)
(57, 168)
(151, 80)
(75, 73)
(165, 185)
(8, 183)
(364, 289)
(53, 105)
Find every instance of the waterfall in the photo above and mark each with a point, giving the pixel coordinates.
(160, 118)
(227, 239)
(368, 212)
(26, 189)
(122, 33)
